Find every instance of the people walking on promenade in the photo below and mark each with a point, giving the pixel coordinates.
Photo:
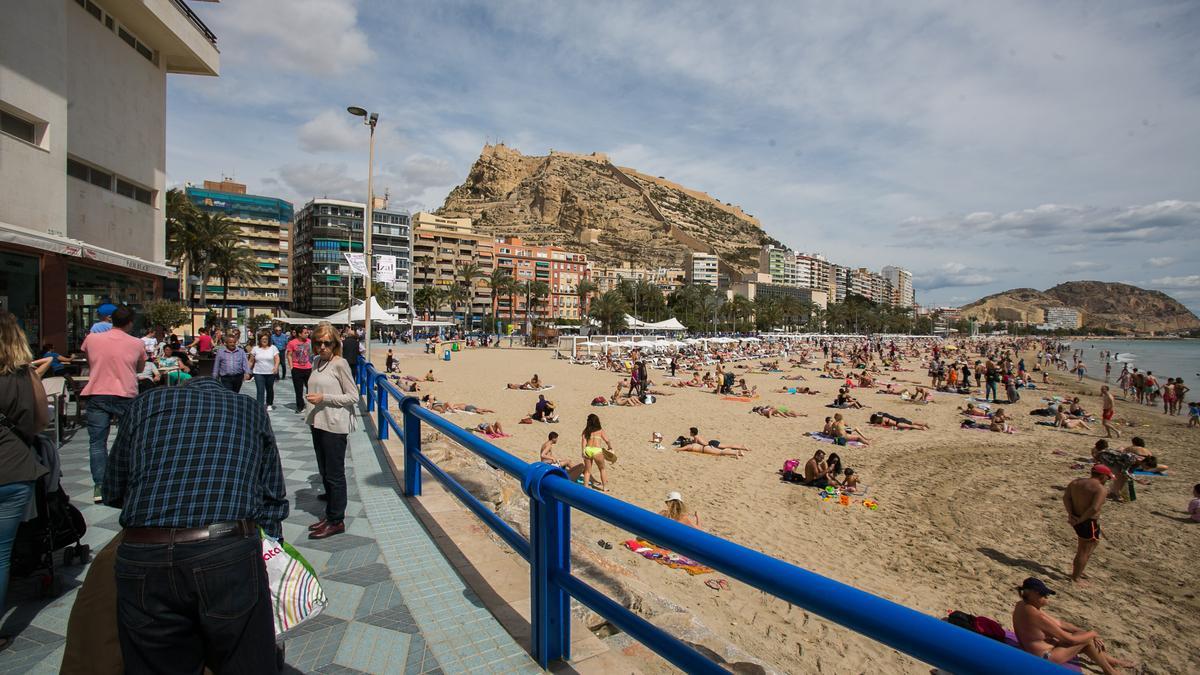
(264, 363)
(192, 588)
(23, 414)
(280, 338)
(114, 359)
(333, 396)
(232, 365)
(299, 359)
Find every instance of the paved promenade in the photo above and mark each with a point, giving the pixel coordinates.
(396, 604)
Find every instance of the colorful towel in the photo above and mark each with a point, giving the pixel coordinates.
(664, 557)
(741, 399)
(822, 438)
(1139, 472)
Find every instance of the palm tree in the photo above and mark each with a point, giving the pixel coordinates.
(535, 291)
(500, 283)
(609, 309)
(468, 274)
(437, 300)
(457, 295)
(421, 299)
(198, 239)
(584, 290)
(231, 262)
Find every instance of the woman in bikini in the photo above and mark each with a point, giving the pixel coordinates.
(1062, 421)
(593, 435)
(888, 421)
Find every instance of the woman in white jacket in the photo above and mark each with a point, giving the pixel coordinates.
(332, 396)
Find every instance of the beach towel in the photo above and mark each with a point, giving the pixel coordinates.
(822, 438)
(664, 557)
(741, 399)
(1139, 472)
(1010, 639)
(492, 436)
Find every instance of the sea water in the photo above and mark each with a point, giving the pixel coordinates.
(1164, 358)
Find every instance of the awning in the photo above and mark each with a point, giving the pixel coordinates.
(14, 234)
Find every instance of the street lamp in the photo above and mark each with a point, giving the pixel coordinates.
(369, 119)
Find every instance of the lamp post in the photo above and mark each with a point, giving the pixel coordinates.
(369, 119)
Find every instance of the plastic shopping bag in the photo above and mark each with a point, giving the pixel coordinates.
(296, 595)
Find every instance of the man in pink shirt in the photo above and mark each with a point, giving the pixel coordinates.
(114, 359)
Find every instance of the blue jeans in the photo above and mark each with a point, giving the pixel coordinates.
(265, 386)
(990, 391)
(100, 413)
(182, 606)
(14, 497)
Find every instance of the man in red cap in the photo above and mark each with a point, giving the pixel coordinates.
(1083, 499)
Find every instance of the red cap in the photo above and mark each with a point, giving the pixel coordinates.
(1101, 470)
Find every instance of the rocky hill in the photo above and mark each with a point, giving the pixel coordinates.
(614, 214)
(1103, 305)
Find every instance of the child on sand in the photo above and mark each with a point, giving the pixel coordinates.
(1194, 414)
(574, 471)
(850, 482)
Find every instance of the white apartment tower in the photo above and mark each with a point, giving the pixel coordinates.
(701, 268)
(902, 286)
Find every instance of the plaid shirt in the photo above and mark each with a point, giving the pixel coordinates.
(193, 456)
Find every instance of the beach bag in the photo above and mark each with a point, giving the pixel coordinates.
(962, 620)
(599, 400)
(790, 466)
(296, 595)
(989, 628)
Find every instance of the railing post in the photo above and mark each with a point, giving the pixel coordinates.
(369, 383)
(412, 446)
(550, 557)
(381, 425)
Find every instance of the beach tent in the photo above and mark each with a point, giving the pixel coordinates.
(357, 313)
(671, 325)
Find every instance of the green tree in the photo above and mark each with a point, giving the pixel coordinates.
(468, 275)
(610, 310)
(584, 289)
(194, 238)
(502, 284)
(165, 314)
(457, 295)
(256, 323)
(535, 292)
(232, 263)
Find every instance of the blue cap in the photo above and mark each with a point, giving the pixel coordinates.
(106, 309)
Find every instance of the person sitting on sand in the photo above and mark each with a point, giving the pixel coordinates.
(890, 421)
(845, 400)
(619, 398)
(865, 380)
(591, 438)
(708, 380)
(816, 471)
(1001, 422)
(850, 482)
(772, 411)
(679, 512)
(1075, 409)
(543, 410)
(533, 384)
(429, 376)
(920, 395)
(751, 392)
(574, 471)
(840, 430)
(827, 430)
(1063, 422)
(1053, 639)
(697, 443)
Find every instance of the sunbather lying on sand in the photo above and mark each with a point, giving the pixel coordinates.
(443, 407)
(1062, 421)
(885, 420)
(492, 429)
(533, 383)
(772, 411)
(697, 443)
(796, 390)
(794, 378)
(972, 411)
(694, 382)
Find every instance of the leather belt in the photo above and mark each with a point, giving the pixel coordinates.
(172, 535)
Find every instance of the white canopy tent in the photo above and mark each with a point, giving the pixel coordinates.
(671, 325)
(357, 313)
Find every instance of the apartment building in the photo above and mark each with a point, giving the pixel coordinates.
(702, 268)
(813, 271)
(440, 246)
(667, 279)
(327, 229)
(83, 88)
(902, 286)
(266, 225)
(780, 263)
(560, 269)
(1061, 317)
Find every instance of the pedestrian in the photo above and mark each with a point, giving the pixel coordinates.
(350, 347)
(264, 363)
(1083, 499)
(231, 366)
(280, 339)
(103, 318)
(204, 343)
(333, 395)
(114, 359)
(23, 414)
(1109, 404)
(299, 359)
(192, 587)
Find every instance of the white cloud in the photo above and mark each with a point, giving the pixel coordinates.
(1164, 261)
(951, 275)
(318, 38)
(331, 131)
(1189, 281)
(1092, 224)
(1086, 266)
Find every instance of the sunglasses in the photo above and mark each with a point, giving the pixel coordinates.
(325, 343)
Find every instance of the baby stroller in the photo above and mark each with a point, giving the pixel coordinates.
(58, 525)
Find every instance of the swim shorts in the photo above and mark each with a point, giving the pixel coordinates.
(1108, 414)
(1088, 530)
(715, 443)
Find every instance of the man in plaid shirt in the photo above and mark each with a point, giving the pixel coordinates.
(196, 472)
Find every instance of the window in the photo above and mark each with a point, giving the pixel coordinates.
(143, 195)
(127, 37)
(145, 51)
(18, 128)
(100, 179)
(77, 169)
(125, 189)
(108, 21)
(93, 9)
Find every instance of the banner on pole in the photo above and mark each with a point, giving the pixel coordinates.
(385, 269)
(357, 263)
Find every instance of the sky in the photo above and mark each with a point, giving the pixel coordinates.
(984, 146)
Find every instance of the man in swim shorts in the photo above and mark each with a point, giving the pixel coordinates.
(1110, 408)
(1083, 499)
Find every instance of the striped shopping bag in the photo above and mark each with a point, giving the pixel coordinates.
(296, 595)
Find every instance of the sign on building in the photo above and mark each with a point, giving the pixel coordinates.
(385, 268)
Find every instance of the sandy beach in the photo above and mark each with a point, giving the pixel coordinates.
(963, 515)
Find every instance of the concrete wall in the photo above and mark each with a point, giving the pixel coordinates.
(33, 82)
(117, 122)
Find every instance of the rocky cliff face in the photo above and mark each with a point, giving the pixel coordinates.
(613, 214)
(1103, 305)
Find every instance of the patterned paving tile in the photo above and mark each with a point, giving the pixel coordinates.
(378, 598)
(373, 649)
(367, 575)
(350, 558)
(397, 619)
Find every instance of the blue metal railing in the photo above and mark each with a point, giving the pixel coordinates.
(552, 496)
